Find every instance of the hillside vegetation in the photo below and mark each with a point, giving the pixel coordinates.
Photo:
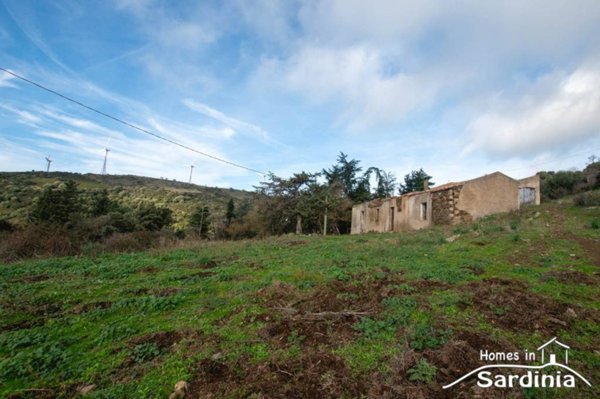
(20, 189)
(375, 315)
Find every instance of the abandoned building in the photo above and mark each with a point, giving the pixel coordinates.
(451, 203)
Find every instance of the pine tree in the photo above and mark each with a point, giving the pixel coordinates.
(230, 214)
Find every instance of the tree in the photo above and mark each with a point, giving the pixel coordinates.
(386, 182)
(153, 218)
(281, 202)
(230, 213)
(200, 220)
(414, 181)
(346, 173)
(100, 203)
(57, 204)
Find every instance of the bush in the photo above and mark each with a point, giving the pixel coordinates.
(57, 204)
(6, 226)
(137, 241)
(423, 372)
(241, 230)
(153, 218)
(39, 241)
(589, 198)
(104, 226)
(555, 185)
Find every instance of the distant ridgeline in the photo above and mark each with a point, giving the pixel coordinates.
(19, 190)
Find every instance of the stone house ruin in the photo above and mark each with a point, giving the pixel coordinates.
(451, 203)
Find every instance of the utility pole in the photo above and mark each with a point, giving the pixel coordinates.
(191, 170)
(325, 216)
(48, 162)
(104, 164)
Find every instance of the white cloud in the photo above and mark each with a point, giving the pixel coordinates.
(6, 80)
(24, 117)
(357, 79)
(550, 113)
(376, 64)
(225, 119)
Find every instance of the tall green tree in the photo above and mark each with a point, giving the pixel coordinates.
(385, 182)
(414, 181)
(281, 202)
(57, 204)
(200, 220)
(100, 203)
(230, 213)
(346, 173)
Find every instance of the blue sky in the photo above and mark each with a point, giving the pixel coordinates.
(459, 88)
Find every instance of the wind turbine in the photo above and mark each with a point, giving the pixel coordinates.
(191, 170)
(104, 164)
(48, 162)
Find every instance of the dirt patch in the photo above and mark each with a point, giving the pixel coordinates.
(34, 278)
(90, 307)
(311, 375)
(323, 317)
(159, 292)
(164, 292)
(162, 339)
(149, 270)
(508, 304)
(211, 264)
(203, 274)
(24, 325)
(296, 243)
(591, 247)
(429, 285)
(36, 393)
(574, 277)
(456, 358)
(474, 269)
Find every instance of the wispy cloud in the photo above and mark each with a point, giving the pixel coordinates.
(7, 80)
(24, 117)
(225, 119)
(554, 111)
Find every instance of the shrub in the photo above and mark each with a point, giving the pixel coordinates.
(145, 351)
(241, 230)
(39, 241)
(425, 336)
(589, 198)
(556, 185)
(104, 226)
(423, 372)
(136, 241)
(6, 226)
(57, 204)
(596, 224)
(153, 218)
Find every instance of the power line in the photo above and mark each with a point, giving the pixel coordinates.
(114, 118)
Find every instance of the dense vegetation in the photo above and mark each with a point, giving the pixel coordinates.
(57, 214)
(378, 315)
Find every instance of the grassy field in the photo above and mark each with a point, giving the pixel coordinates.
(376, 315)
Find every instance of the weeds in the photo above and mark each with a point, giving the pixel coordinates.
(422, 372)
(144, 352)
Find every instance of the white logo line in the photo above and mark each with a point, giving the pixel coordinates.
(518, 366)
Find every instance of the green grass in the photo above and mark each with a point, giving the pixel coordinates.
(83, 320)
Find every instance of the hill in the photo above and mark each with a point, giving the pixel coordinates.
(19, 189)
(374, 315)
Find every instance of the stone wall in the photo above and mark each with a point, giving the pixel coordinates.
(445, 208)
